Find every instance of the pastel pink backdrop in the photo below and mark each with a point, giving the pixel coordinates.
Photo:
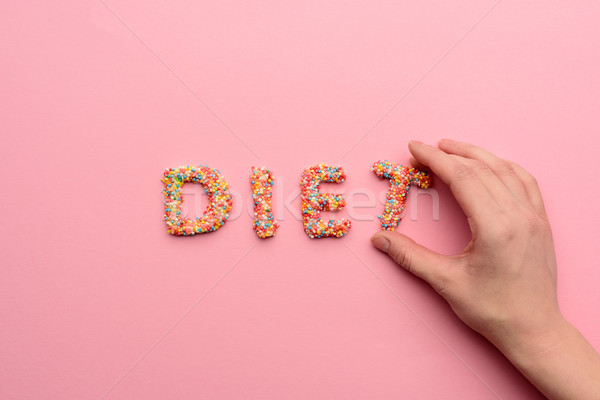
(98, 97)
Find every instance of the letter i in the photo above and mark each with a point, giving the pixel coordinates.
(261, 181)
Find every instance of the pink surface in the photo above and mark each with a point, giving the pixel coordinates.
(98, 301)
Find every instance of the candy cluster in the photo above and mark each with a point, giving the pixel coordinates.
(400, 180)
(216, 213)
(261, 181)
(313, 202)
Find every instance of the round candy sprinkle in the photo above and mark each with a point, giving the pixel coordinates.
(261, 181)
(219, 200)
(401, 178)
(314, 202)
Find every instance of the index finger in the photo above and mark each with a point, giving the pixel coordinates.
(466, 186)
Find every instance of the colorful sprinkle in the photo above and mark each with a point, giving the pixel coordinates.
(313, 202)
(400, 180)
(261, 181)
(216, 212)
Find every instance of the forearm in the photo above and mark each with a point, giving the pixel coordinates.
(560, 363)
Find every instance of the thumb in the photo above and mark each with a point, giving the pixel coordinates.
(419, 260)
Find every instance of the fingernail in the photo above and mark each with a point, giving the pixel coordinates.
(447, 140)
(381, 243)
(415, 142)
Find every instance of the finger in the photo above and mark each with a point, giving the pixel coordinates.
(468, 189)
(532, 189)
(417, 164)
(494, 185)
(503, 169)
(419, 260)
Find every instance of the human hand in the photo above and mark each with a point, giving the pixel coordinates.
(506, 276)
(503, 284)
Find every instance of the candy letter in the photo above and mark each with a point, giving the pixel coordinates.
(261, 181)
(400, 180)
(314, 202)
(216, 212)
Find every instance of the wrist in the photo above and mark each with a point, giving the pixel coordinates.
(528, 347)
(557, 359)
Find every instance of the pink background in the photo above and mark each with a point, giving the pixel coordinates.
(98, 301)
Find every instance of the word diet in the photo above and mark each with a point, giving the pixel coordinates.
(261, 180)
